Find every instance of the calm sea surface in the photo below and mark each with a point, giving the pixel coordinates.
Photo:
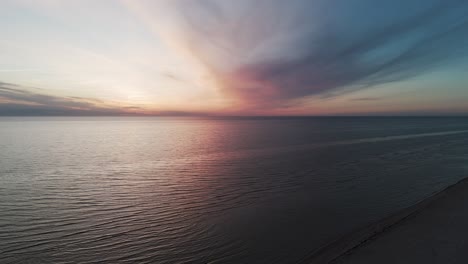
(179, 190)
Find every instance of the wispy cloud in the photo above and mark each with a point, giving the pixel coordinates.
(267, 53)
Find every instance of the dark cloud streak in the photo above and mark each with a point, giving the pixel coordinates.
(17, 100)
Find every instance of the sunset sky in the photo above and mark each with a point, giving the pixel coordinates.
(224, 57)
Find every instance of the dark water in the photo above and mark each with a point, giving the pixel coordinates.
(162, 190)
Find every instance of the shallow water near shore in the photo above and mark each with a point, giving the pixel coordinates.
(219, 190)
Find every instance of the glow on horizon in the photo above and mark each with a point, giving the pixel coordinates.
(224, 58)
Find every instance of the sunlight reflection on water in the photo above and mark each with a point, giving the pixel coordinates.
(160, 190)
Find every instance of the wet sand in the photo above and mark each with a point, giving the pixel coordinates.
(432, 231)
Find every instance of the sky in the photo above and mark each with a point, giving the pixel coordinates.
(243, 57)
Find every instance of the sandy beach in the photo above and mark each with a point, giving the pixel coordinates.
(432, 231)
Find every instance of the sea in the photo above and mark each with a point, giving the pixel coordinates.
(212, 189)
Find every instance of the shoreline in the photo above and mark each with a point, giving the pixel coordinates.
(355, 240)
